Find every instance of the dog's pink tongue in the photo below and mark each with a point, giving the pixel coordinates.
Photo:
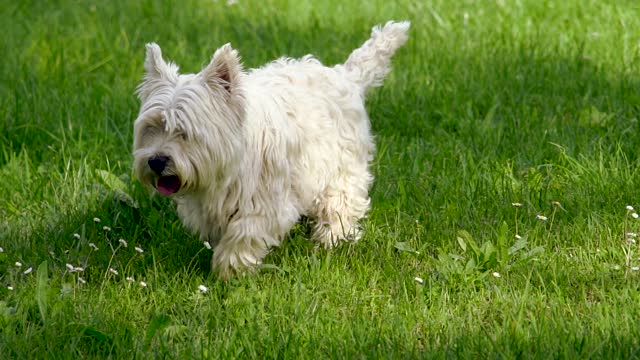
(168, 185)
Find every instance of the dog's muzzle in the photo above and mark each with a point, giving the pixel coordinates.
(165, 184)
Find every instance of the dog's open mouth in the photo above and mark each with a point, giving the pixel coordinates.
(167, 185)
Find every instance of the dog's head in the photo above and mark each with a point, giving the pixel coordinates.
(187, 133)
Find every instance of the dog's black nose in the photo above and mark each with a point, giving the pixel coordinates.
(158, 163)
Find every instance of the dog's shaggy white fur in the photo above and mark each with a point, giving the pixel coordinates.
(246, 154)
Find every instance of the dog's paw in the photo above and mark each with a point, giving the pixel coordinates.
(329, 237)
(229, 263)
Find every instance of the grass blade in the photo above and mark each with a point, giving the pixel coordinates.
(41, 290)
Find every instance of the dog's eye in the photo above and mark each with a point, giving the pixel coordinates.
(150, 131)
(182, 135)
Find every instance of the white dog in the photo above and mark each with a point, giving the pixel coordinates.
(245, 154)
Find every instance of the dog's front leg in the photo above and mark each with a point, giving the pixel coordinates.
(243, 246)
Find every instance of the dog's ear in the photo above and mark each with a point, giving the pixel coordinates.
(223, 70)
(154, 64)
(156, 71)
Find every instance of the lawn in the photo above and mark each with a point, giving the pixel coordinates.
(502, 222)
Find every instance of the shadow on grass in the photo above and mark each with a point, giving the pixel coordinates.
(521, 97)
(431, 92)
(136, 241)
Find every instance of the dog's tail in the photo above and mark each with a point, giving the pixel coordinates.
(369, 64)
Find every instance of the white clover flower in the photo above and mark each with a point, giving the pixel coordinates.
(418, 280)
(496, 274)
(635, 215)
(123, 242)
(18, 264)
(1, 249)
(555, 203)
(631, 234)
(76, 235)
(635, 268)
(139, 249)
(518, 237)
(631, 240)
(516, 204)
(81, 280)
(95, 219)
(70, 267)
(78, 269)
(207, 245)
(106, 228)
(541, 217)
(93, 246)
(203, 288)
(130, 279)
(28, 271)
(113, 271)
(629, 207)
(10, 288)
(143, 284)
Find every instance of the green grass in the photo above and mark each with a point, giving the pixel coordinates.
(490, 103)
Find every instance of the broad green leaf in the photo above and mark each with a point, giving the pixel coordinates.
(470, 266)
(404, 246)
(271, 267)
(97, 335)
(117, 186)
(462, 244)
(158, 323)
(535, 251)
(517, 246)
